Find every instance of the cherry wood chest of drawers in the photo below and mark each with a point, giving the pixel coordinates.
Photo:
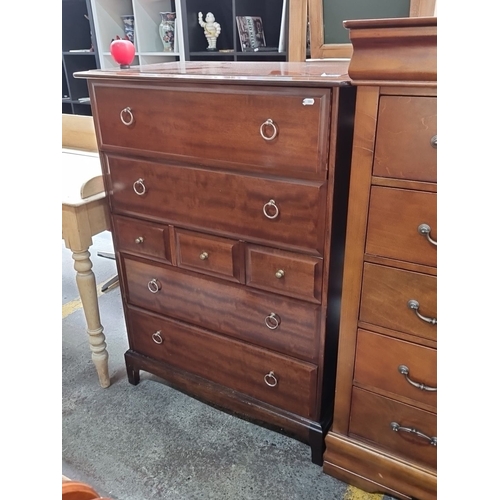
(384, 432)
(227, 188)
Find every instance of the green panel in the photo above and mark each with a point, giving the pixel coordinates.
(337, 11)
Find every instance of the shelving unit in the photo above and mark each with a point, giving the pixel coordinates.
(77, 29)
(225, 12)
(148, 45)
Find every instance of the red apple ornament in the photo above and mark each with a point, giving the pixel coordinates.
(123, 52)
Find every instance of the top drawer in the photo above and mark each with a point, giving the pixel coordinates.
(406, 142)
(275, 130)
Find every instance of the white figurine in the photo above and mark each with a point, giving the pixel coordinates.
(212, 29)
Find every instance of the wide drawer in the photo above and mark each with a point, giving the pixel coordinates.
(285, 325)
(406, 141)
(395, 298)
(220, 257)
(264, 129)
(397, 367)
(395, 220)
(287, 273)
(142, 238)
(231, 204)
(376, 418)
(280, 381)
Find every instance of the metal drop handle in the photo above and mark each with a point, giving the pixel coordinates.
(126, 116)
(157, 338)
(139, 240)
(396, 428)
(268, 123)
(404, 370)
(272, 321)
(154, 286)
(139, 187)
(414, 305)
(434, 141)
(275, 210)
(270, 379)
(425, 230)
(204, 256)
(279, 274)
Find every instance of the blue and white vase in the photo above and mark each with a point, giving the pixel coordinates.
(128, 27)
(167, 30)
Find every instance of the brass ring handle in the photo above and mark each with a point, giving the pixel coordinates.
(414, 305)
(204, 256)
(126, 112)
(425, 230)
(268, 123)
(279, 274)
(404, 370)
(154, 286)
(157, 338)
(272, 204)
(139, 240)
(434, 141)
(270, 379)
(272, 321)
(396, 428)
(139, 187)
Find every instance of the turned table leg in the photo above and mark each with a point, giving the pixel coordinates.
(85, 280)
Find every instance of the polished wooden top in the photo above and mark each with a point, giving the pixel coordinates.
(331, 73)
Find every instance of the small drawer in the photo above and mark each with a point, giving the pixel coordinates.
(278, 380)
(406, 142)
(396, 427)
(275, 130)
(401, 368)
(286, 325)
(284, 212)
(283, 272)
(211, 255)
(401, 300)
(402, 225)
(142, 238)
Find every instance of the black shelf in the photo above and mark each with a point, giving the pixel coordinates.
(77, 34)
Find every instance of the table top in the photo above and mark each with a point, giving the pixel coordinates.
(81, 177)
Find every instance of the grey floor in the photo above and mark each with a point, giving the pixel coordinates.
(151, 442)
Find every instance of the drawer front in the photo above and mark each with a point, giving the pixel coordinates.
(285, 325)
(228, 203)
(287, 273)
(404, 147)
(394, 218)
(225, 127)
(142, 238)
(387, 294)
(379, 365)
(371, 419)
(239, 366)
(211, 255)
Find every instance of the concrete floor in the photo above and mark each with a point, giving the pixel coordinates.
(151, 442)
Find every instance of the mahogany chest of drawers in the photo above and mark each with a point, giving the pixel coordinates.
(227, 187)
(384, 432)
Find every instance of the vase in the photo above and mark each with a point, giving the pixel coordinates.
(167, 30)
(128, 27)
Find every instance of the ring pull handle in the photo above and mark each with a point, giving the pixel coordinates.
(204, 256)
(270, 379)
(279, 274)
(126, 116)
(397, 428)
(414, 305)
(268, 123)
(404, 370)
(139, 240)
(434, 141)
(425, 230)
(272, 321)
(154, 286)
(274, 212)
(139, 187)
(157, 338)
